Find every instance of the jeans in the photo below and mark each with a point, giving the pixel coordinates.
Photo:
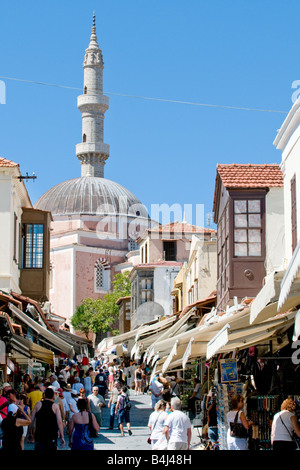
(213, 434)
(112, 414)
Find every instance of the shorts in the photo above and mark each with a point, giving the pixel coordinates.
(123, 417)
(177, 446)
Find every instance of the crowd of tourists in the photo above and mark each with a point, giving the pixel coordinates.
(68, 402)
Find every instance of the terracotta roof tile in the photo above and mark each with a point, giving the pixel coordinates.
(250, 175)
(159, 263)
(180, 227)
(7, 163)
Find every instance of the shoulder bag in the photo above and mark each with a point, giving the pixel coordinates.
(149, 438)
(291, 436)
(237, 429)
(92, 431)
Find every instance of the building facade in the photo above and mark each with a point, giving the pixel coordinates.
(249, 213)
(25, 242)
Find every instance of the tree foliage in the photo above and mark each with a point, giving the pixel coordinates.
(100, 314)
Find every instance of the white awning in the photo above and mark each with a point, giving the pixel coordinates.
(203, 333)
(229, 340)
(181, 326)
(266, 296)
(218, 341)
(170, 357)
(110, 341)
(290, 285)
(155, 327)
(58, 343)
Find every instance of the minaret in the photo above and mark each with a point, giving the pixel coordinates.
(92, 152)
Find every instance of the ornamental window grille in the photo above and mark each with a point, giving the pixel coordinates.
(102, 276)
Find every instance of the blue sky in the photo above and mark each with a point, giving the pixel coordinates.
(231, 53)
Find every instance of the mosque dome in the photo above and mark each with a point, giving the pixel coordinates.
(90, 196)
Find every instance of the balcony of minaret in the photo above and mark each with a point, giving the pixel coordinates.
(92, 147)
(98, 103)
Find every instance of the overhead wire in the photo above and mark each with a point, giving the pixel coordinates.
(150, 98)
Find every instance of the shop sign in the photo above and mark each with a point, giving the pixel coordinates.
(228, 370)
(10, 364)
(2, 352)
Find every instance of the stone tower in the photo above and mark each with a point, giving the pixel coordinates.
(93, 152)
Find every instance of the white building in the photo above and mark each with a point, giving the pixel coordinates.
(288, 142)
(13, 197)
(201, 269)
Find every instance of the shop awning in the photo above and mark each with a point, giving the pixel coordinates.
(263, 305)
(147, 330)
(296, 333)
(227, 339)
(178, 327)
(110, 341)
(290, 285)
(203, 333)
(210, 300)
(57, 342)
(31, 350)
(80, 344)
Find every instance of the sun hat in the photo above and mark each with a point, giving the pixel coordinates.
(12, 408)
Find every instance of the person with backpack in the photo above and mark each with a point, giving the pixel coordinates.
(123, 408)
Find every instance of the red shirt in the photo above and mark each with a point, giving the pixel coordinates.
(3, 400)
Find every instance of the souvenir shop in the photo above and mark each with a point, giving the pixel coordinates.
(263, 377)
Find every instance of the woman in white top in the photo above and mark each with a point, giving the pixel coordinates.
(237, 443)
(157, 420)
(73, 404)
(284, 424)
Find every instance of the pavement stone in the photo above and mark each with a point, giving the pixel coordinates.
(111, 440)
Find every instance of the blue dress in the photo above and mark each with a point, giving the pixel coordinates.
(81, 438)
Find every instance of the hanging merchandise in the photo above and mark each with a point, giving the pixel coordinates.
(225, 392)
(261, 410)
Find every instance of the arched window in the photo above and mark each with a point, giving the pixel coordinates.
(84, 138)
(85, 90)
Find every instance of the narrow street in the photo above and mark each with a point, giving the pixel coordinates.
(112, 440)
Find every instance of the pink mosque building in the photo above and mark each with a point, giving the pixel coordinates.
(95, 221)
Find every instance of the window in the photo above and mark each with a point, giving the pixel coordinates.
(15, 237)
(247, 227)
(223, 252)
(102, 277)
(133, 246)
(169, 248)
(293, 212)
(146, 289)
(32, 245)
(84, 138)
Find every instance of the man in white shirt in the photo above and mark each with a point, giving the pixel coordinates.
(96, 402)
(65, 373)
(54, 381)
(156, 389)
(178, 428)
